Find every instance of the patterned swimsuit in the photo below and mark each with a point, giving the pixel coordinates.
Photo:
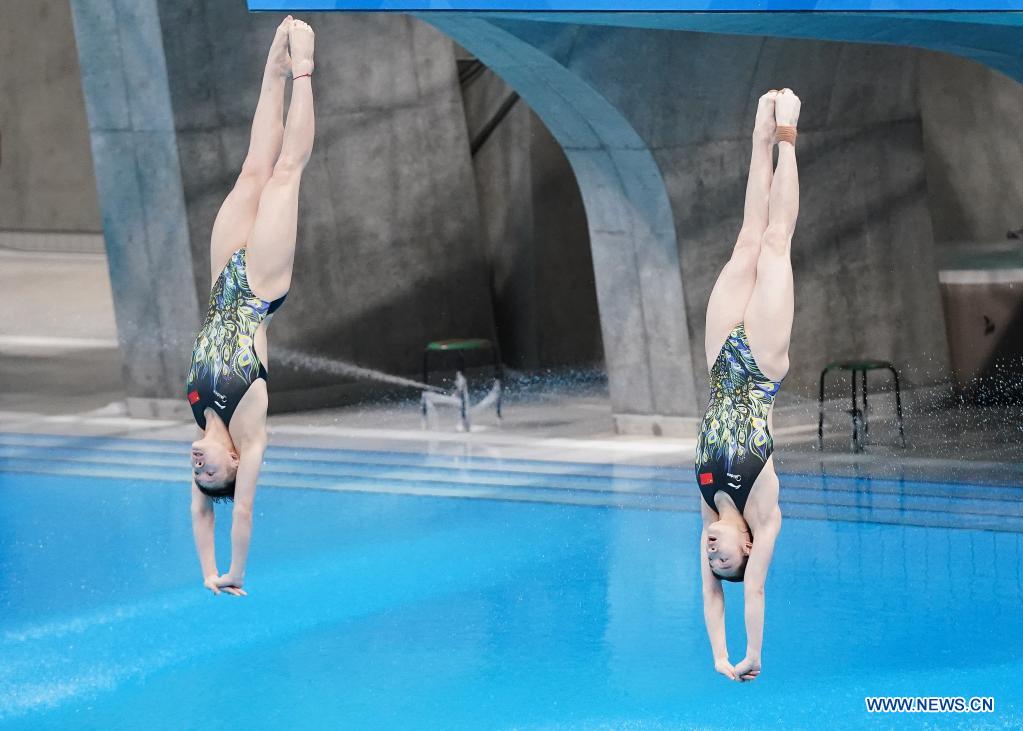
(734, 441)
(224, 360)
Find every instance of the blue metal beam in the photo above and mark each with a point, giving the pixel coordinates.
(634, 5)
(991, 38)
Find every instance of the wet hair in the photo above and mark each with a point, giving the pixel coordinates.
(222, 494)
(739, 576)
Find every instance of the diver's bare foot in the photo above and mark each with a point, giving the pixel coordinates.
(763, 127)
(278, 60)
(301, 38)
(786, 108)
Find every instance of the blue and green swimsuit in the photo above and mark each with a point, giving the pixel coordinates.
(224, 360)
(735, 441)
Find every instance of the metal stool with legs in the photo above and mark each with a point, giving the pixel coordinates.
(459, 346)
(859, 416)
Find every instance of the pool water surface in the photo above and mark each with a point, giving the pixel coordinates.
(394, 610)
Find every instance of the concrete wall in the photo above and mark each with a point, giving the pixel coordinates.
(569, 326)
(393, 243)
(631, 229)
(544, 298)
(972, 117)
(866, 279)
(974, 151)
(390, 252)
(46, 177)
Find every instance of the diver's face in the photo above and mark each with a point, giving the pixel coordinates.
(212, 463)
(726, 548)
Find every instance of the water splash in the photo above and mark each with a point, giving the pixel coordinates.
(334, 367)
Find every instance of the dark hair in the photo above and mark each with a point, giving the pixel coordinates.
(224, 493)
(739, 576)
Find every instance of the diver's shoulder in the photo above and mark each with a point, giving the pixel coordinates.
(248, 425)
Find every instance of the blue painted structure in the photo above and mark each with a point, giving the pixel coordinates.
(636, 5)
(992, 38)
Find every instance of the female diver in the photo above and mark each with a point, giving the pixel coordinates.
(749, 321)
(252, 250)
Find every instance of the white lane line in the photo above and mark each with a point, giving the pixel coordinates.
(627, 444)
(27, 417)
(474, 491)
(654, 445)
(17, 443)
(15, 342)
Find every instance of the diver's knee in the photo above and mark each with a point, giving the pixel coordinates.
(289, 167)
(744, 260)
(254, 173)
(777, 240)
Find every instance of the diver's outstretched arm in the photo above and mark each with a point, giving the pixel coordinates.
(202, 530)
(713, 603)
(755, 579)
(714, 614)
(241, 516)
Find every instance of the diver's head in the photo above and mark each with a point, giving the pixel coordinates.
(728, 549)
(214, 462)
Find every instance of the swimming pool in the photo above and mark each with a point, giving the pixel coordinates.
(418, 591)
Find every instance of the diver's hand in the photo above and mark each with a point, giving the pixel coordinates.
(748, 669)
(725, 668)
(231, 584)
(210, 582)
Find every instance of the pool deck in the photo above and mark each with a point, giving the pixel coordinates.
(68, 382)
(75, 391)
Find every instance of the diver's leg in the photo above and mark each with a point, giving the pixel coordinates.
(272, 241)
(734, 284)
(769, 313)
(235, 218)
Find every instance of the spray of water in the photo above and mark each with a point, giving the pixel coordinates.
(334, 367)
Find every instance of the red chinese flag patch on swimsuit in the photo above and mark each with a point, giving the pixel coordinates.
(193, 397)
(706, 478)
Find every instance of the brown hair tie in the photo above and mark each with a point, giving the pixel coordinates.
(785, 133)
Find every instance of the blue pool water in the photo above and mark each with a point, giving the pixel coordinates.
(383, 602)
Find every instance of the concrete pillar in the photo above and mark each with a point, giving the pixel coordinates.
(138, 179)
(632, 233)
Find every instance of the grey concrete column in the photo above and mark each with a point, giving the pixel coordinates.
(138, 178)
(632, 234)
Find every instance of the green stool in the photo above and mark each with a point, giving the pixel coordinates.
(859, 416)
(460, 346)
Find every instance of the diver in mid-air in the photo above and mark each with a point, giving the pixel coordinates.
(252, 251)
(749, 323)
